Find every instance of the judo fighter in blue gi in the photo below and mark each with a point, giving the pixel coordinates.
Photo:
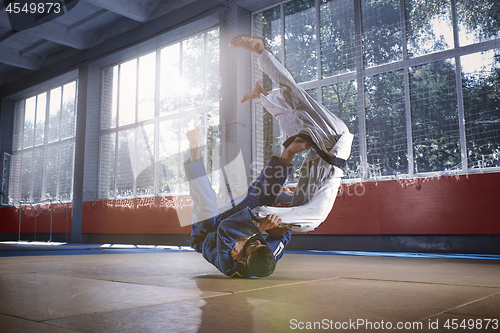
(232, 241)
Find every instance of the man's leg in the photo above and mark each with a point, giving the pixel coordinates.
(304, 111)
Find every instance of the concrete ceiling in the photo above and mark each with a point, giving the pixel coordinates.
(31, 42)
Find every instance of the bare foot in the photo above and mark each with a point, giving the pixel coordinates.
(255, 93)
(255, 45)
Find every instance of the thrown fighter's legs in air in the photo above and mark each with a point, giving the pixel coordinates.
(299, 114)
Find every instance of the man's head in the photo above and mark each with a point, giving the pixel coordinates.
(260, 259)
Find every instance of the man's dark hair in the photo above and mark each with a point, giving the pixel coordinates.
(261, 262)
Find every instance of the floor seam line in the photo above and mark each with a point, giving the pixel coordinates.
(190, 299)
(285, 285)
(471, 302)
(133, 307)
(453, 308)
(420, 282)
(92, 279)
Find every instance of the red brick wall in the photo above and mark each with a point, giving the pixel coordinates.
(441, 205)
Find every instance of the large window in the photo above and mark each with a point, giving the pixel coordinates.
(417, 82)
(44, 140)
(148, 104)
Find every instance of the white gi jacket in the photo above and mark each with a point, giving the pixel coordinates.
(297, 112)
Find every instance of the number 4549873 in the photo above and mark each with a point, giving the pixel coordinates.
(472, 324)
(34, 8)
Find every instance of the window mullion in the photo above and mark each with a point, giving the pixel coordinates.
(44, 147)
(58, 139)
(156, 181)
(32, 176)
(115, 167)
(318, 48)
(360, 90)
(406, 85)
(22, 152)
(283, 49)
(205, 96)
(458, 77)
(135, 162)
(282, 25)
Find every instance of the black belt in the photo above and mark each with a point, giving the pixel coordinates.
(338, 162)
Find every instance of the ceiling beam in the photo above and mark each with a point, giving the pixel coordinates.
(32, 47)
(14, 58)
(153, 28)
(127, 8)
(56, 33)
(53, 32)
(86, 19)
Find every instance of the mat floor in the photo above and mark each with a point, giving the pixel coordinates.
(168, 290)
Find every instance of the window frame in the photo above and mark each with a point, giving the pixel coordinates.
(362, 71)
(157, 118)
(18, 145)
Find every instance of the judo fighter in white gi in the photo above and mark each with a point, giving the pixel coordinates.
(299, 115)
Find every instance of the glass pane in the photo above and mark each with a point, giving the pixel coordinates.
(428, 26)
(213, 97)
(270, 23)
(66, 158)
(26, 175)
(300, 40)
(297, 161)
(341, 99)
(68, 110)
(147, 83)
(29, 122)
(127, 93)
(6, 194)
(481, 93)
(272, 136)
(313, 93)
(144, 169)
(193, 70)
(386, 124)
(171, 85)
(174, 151)
(433, 96)
(381, 25)
(338, 49)
(51, 163)
(478, 21)
(109, 97)
(125, 163)
(169, 158)
(267, 25)
(19, 125)
(41, 108)
(212, 71)
(213, 158)
(107, 167)
(37, 173)
(54, 114)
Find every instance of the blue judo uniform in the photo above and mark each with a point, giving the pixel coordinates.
(215, 234)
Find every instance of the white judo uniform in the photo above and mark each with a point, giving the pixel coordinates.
(298, 113)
